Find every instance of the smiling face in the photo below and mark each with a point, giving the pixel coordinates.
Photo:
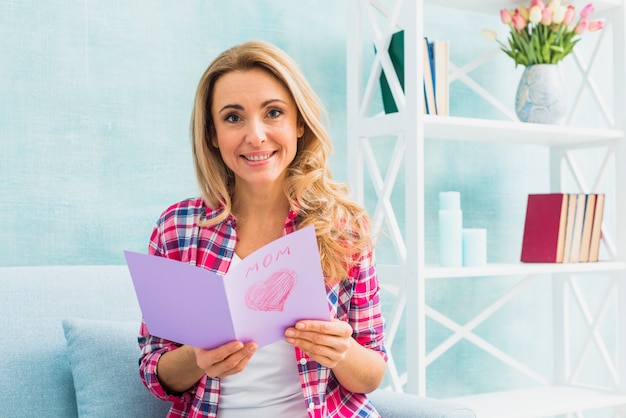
(256, 126)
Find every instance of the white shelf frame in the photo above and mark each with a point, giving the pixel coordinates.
(412, 128)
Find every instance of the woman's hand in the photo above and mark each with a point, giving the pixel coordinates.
(230, 358)
(326, 342)
(330, 343)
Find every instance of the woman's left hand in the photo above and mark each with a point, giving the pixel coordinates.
(326, 342)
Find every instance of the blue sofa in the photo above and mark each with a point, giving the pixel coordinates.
(69, 349)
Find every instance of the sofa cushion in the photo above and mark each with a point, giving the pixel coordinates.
(403, 405)
(35, 377)
(104, 362)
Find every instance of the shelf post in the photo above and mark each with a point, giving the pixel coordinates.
(619, 87)
(414, 201)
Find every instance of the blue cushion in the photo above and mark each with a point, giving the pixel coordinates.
(401, 405)
(104, 362)
(34, 370)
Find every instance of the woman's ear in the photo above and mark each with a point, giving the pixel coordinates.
(300, 129)
(212, 136)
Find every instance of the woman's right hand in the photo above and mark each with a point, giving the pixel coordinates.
(225, 360)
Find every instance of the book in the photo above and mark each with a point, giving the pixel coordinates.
(544, 228)
(441, 58)
(268, 291)
(596, 231)
(578, 227)
(429, 85)
(396, 54)
(585, 239)
(569, 226)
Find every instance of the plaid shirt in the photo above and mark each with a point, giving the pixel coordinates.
(356, 301)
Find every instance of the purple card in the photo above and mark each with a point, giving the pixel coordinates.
(256, 300)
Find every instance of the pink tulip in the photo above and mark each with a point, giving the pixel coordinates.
(595, 25)
(570, 14)
(537, 3)
(586, 11)
(518, 21)
(546, 16)
(581, 27)
(505, 16)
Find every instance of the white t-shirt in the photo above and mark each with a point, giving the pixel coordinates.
(269, 386)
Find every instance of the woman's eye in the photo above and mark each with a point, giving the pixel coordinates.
(232, 118)
(274, 113)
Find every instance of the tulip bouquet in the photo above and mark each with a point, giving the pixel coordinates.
(544, 34)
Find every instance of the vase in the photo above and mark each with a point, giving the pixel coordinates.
(540, 95)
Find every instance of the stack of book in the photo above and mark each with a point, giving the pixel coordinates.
(563, 228)
(435, 59)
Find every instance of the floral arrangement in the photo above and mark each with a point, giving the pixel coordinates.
(544, 34)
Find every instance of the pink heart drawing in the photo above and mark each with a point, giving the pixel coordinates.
(271, 294)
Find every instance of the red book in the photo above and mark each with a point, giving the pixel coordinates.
(544, 229)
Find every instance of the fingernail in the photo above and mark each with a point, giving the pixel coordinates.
(290, 333)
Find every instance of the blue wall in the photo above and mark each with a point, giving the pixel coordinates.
(96, 101)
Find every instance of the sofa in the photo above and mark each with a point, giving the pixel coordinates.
(69, 349)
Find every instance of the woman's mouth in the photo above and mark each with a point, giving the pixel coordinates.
(258, 157)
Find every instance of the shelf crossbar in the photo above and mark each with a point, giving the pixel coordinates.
(593, 323)
(382, 60)
(462, 74)
(393, 324)
(384, 210)
(587, 81)
(466, 332)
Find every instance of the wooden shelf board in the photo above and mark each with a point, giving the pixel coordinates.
(493, 269)
(539, 402)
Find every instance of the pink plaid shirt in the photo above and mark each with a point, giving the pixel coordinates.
(356, 301)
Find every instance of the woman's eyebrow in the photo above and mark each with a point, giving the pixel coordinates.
(270, 101)
(240, 107)
(231, 106)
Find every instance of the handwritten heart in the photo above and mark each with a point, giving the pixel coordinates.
(271, 294)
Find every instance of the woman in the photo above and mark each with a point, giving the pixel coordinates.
(260, 152)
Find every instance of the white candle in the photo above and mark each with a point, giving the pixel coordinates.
(450, 200)
(450, 238)
(474, 247)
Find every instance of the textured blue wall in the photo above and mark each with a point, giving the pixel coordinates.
(96, 101)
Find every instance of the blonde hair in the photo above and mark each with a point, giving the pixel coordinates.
(340, 224)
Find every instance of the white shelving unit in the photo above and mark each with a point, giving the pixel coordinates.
(560, 393)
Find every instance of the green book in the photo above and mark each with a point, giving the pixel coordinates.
(396, 53)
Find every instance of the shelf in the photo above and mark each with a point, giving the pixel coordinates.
(489, 270)
(406, 281)
(483, 130)
(469, 129)
(538, 402)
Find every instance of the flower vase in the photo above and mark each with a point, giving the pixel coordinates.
(540, 95)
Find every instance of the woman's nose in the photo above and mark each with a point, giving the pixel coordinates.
(256, 133)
